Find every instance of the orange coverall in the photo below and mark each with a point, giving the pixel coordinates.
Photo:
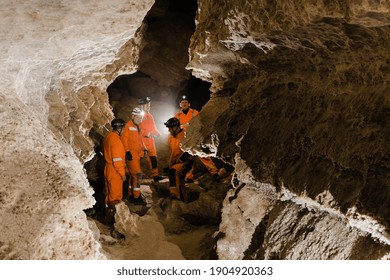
(185, 118)
(149, 131)
(132, 141)
(207, 161)
(176, 152)
(114, 169)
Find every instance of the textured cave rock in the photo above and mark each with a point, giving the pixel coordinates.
(57, 59)
(301, 98)
(300, 107)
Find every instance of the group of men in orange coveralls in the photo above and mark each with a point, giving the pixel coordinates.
(128, 142)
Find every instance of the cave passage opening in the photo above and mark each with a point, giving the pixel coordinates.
(162, 76)
(161, 73)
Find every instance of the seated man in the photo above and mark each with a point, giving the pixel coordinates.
(185, 116)
(179, 162)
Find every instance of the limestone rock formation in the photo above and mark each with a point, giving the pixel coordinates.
(57, 59)
(301, 100)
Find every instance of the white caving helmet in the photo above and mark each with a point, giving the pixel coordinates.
(137, 112)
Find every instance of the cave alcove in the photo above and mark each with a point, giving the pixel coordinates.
(161, 75)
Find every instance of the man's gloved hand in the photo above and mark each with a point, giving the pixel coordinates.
(146, 153)
(184, 157)
(129, 156)
(124, 178)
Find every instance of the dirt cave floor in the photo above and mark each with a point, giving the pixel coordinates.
(158, 230)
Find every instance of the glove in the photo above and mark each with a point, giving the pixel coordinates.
(184, 157)
(148, 135)
(124, 178)
(145, 153)
(129, 156)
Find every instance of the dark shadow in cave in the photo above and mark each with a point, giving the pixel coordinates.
(197, 91)
(161, 74)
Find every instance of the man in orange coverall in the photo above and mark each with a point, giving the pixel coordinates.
(114, 169)
(135, 150)
(149, 132)
(185, 116)
(178, 161)
(186, 113)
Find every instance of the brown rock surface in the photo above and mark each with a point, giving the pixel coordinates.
(56, 61)
(302, 99)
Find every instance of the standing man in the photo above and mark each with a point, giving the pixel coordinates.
(179, 162)
(114, 169)
(186, 113)
(135, 150)
(149, 132)
(185, 116)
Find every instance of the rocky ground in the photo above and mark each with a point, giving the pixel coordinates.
(165, 228)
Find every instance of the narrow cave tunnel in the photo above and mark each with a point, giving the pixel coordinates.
(162, 77)
(161, 73)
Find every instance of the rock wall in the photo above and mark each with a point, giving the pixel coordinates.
(56, 60)
(300, 104)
